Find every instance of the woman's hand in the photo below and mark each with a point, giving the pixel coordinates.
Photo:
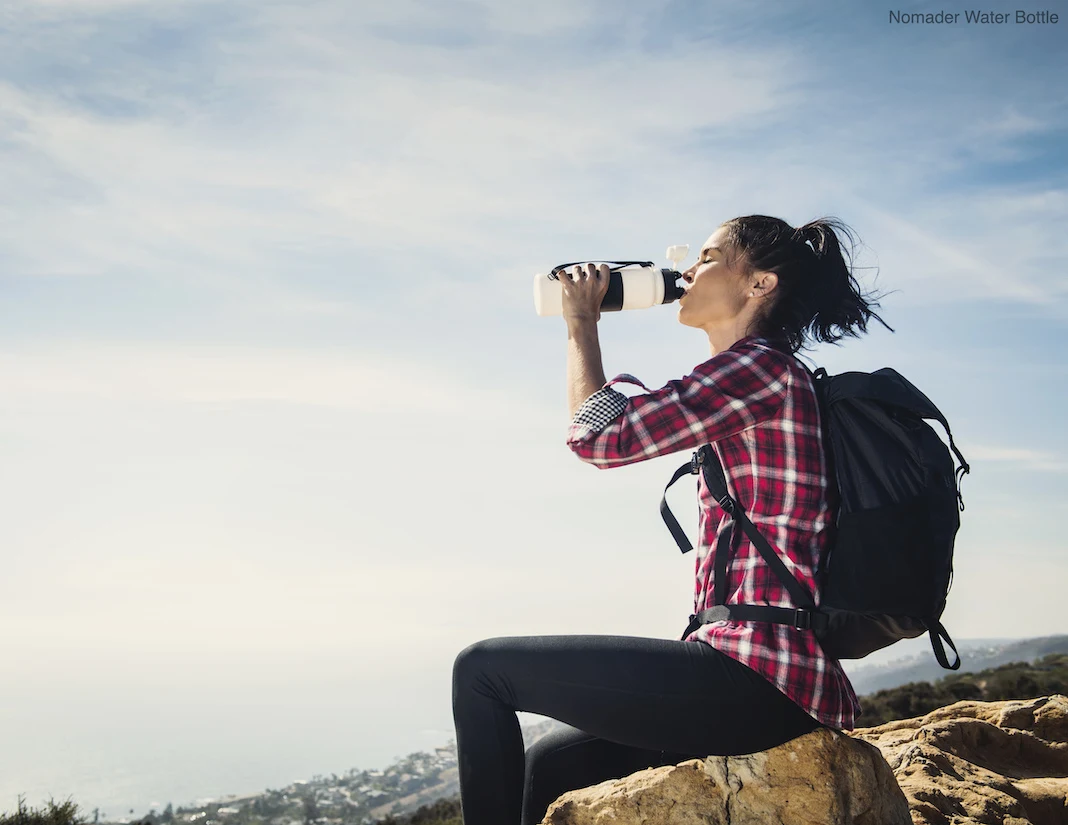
(584, 288)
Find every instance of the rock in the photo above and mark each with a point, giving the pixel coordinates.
(823, 778)
(973, 763)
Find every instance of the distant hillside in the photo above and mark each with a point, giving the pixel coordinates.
(1017, 680)
(357, 797)
(975, 656)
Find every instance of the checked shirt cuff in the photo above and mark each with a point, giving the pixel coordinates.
(597, 412)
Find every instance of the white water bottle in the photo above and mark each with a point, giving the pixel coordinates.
(634, 285)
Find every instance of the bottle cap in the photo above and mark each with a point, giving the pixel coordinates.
(677, 254)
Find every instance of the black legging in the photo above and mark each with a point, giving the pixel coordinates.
(634, 703)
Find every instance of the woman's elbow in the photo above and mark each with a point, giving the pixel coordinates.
(599, 458)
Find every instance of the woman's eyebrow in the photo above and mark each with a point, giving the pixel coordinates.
(708, 249)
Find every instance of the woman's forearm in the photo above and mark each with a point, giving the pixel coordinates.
(585, 372)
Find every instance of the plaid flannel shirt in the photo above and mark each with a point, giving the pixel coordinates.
(757, 406)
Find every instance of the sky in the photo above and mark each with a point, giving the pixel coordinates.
(281, 431)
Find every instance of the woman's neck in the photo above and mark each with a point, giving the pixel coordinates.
(722, 339)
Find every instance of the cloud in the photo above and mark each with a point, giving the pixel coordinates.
(321, 131)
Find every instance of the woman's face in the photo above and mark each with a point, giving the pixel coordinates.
(716, 290)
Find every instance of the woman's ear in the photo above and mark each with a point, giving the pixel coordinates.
(764, 284)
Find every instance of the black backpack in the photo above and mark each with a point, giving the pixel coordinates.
(890, 564)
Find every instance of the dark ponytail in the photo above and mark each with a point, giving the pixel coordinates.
(817, 298)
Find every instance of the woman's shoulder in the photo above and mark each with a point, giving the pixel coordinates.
(771, 364)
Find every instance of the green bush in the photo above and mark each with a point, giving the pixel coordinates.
(1018, 680)
(66, 813)
(439, 812)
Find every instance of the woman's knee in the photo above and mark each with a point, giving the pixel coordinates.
(475, 663)
(550, 746)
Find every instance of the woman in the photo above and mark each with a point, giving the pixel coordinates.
(760, 290)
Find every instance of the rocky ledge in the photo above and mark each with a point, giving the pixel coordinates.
(968, 763)
(1002, 763)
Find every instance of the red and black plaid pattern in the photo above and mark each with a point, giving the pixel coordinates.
(757, 406)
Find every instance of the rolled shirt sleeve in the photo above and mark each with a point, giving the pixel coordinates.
(600, 409)
(733, 391)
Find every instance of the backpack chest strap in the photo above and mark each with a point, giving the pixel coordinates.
(797, 618)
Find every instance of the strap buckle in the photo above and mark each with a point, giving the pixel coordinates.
(695, 463)
(802, 619)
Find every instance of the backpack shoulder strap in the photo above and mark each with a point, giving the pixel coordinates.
(672, 523)
(716, 481)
